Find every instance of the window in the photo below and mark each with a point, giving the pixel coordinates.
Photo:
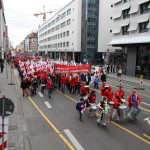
(63, 15)
(143, 27)
(64, 34)
(144, 8)
(125, 30)
(60, 44)
(60, 35)
(125, 1)
(63, 44)
(126, 13)
(67, 44)
(68, 11)
(63, 24)
(69, 22)
(67, 33)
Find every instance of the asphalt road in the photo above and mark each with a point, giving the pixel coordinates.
(53, 124)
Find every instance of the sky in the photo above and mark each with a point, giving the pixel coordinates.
(19, 16)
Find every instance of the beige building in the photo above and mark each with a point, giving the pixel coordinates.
(31, 42)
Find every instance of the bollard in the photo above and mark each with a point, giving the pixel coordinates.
(3, 146)
(141, 81)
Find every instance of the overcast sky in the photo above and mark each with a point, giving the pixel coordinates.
(20, 19)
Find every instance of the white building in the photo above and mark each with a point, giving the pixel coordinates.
(131, 31)
(82, 29)
(3, 31)
(61, 34)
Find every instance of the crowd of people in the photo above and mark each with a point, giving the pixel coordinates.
(78, 83)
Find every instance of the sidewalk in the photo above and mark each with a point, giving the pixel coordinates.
(130, 79)
(17, 139)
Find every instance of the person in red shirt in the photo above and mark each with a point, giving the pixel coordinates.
(134, 100)
(103, 107)
(49, 86)
(84, 91)
(117, 103)
(109, 93)
(72, 85)
(63, 83)
(103, 89)
(77, 84)
(121, 92)
(91, 101)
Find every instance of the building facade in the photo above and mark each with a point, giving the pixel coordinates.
(3, 32)
(131, 31)
(30, 43)
(21, 46)
(72, 33)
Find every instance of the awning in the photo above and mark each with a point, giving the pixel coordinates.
(134, 9)
(143, 1)
(116, 30)
(125, 6)
(133, 27)
(130, 40)
(125, 22)
(116, 1)
(143, 18)
(117, 14)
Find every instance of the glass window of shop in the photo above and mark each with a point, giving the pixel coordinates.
(143, 61)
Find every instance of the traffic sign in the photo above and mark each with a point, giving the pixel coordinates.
(7, 107)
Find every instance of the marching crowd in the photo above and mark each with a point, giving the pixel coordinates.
(80, 83)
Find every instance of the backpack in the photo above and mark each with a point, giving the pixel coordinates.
(77, 106)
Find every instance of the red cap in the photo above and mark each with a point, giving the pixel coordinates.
(110, 87)
(134, 91)
(117, 93)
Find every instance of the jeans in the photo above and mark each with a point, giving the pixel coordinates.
(49, 92)
(96, 85)
(63, 88)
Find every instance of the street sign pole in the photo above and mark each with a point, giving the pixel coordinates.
(3, 116)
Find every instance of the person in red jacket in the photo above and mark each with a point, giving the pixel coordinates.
(121, 92)
(77, 84)
(103, 88)
(49, 86)
(72, 85)
(109, 93)
(104, 108)
(134, 100)
(117, 103)
(84, 91)
(63, 83)
(91, 101)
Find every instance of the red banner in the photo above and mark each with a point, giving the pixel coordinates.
(61, 69)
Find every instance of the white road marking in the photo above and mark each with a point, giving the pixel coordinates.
(73, 140)
(41, 95)
(48, 104)
(145, 104)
